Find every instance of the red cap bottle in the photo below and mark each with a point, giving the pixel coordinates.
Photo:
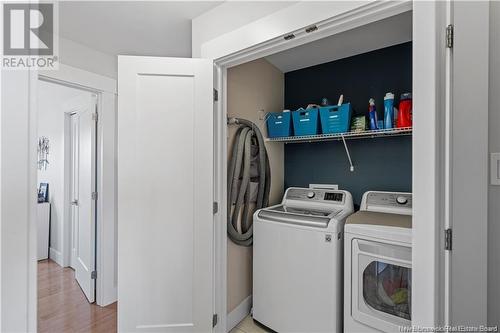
(405, 111)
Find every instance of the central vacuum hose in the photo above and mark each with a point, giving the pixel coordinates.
(248, 147)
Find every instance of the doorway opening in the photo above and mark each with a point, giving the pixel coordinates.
(67, 210)
(311, 78)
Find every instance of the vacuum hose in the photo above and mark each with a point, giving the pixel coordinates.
(249, 164)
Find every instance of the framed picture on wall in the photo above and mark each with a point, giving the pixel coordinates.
(43, 192)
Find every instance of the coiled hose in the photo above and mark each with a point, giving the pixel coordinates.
(248, 150)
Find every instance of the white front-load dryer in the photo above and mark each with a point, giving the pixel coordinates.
(377, 265)
(297, 261)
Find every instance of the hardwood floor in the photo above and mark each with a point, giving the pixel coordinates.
(62, 306)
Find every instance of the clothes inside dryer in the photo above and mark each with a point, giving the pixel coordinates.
(387, 288)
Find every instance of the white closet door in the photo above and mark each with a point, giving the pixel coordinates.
(165, 194)
(83, 204)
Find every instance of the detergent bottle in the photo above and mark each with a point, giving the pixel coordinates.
(405, 110)
(372, 114)
(388, 110)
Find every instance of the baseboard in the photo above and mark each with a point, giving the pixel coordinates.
(108, 298)
(56, 256)
(239, 313)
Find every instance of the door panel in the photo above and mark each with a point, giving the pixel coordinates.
(74, 186)
(165, 194)
(84, 206)
(468, 279)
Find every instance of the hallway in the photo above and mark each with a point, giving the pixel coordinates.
(62, 306)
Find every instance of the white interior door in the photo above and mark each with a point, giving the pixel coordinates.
(83, 208)
(165, 194)
(74, 136)
(467, 283)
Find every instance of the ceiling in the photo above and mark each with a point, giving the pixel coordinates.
(391, 31)
(155, 28)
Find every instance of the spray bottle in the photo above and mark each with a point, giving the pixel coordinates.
(372, 114)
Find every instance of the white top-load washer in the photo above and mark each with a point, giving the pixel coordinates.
(297, 261)
(377, 266)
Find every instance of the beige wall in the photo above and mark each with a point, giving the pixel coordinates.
(252, 87)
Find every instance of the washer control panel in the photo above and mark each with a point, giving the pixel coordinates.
(316, 195)
(387, 202)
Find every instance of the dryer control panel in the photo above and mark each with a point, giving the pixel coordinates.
(387, 202)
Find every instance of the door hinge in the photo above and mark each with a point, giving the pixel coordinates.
(215, 319)
(448, 238)
(215, 208)
(449, 36)
(94, 195)
(289, 37)
(311, 28)
(93, 275)
(216, 95)
(95, 116)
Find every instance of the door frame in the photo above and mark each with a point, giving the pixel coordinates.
(428, 145)
(106, 224)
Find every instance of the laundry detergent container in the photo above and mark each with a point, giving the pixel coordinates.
(279, 124)
(305, 121)
(335, 118)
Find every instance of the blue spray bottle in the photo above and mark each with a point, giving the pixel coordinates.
(388, 110)
(372, 114)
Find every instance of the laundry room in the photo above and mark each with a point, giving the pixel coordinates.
(334, 117)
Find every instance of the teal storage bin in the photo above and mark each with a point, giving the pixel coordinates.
(305, 121)
(279, 124)
(335, 118)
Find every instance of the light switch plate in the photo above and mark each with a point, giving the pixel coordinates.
(495, 168)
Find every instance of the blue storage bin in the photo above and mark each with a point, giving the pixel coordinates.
(335, 119)
(279, 124)
(305, 122)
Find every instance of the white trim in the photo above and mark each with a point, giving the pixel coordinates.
(446, 163)
(428, 169)
(355, 16)
(107, 224)
(220, 228)
(80, 77)
(18, 215)
(33, 199)
(105, 88)
(56, 256)
(239, 313)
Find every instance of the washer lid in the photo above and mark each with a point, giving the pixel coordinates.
(292, 215)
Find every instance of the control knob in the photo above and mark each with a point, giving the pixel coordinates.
(311, 194)
(402, 200)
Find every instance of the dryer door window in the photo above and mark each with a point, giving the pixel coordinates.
(381, 284)
(387, 288)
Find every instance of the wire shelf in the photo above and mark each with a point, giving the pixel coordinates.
(347, 136)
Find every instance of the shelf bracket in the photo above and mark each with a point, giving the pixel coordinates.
(351, 167)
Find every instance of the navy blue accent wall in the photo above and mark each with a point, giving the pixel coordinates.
(380, 164)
